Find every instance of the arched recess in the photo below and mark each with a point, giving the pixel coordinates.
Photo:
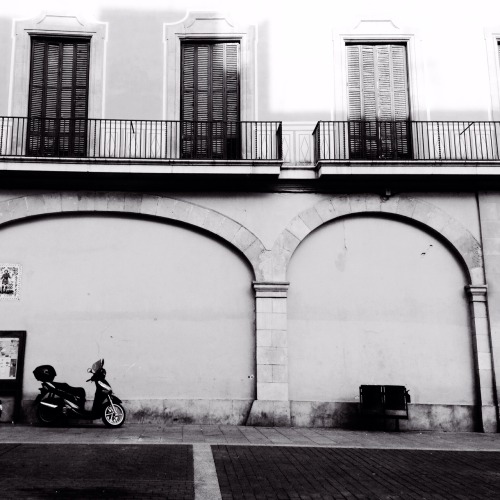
(111, 324)
(403, 207)
(435, 221)
(160, 207)
(377, 301)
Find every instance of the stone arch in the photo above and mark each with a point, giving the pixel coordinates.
(156, 206)
(402, 207)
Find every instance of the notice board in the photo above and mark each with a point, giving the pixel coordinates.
(12, 345)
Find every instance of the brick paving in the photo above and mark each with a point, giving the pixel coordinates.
(263, 472)
(94, 471)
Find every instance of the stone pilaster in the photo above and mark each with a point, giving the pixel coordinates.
(483, 356)
(272, 406)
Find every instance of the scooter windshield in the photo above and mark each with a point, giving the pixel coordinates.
(97, 365)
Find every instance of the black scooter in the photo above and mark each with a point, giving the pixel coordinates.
(58, 401)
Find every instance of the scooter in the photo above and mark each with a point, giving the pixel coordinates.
(58, 401)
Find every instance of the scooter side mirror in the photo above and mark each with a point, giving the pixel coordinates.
(89, 370)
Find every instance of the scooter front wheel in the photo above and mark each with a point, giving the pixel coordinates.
(113, 415)
(46, 415)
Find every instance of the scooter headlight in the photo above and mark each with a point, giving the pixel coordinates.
(106, 387)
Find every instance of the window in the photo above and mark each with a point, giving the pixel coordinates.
(378, 102)
(210, 100)
(58, 97)
(197, 28)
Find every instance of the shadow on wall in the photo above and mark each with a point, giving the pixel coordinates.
(135, 62)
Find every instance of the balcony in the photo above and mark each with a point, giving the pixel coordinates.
(183, 146)
(407, 147)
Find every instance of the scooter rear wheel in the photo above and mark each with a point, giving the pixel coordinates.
(46, 415)
(113, 415)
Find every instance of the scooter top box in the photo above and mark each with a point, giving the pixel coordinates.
(44, 373)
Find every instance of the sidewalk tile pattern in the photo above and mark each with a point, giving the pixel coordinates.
(263, 472)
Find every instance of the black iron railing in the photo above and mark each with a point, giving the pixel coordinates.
(140, 139)
(406, 140)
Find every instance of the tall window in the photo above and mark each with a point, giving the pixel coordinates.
(210, 100)
(58, 97)
(378, 101)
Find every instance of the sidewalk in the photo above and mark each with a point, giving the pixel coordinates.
(219, 462)
(249, 436)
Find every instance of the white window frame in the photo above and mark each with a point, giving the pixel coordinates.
(208, 26)
(492, 39)
(380, 32)
(58, 27)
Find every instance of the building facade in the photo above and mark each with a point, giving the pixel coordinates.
(249, 214)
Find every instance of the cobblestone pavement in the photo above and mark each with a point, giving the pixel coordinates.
(260, 472)
(83, 471)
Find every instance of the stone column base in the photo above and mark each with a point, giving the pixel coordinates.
(489, 416)
(268, 413)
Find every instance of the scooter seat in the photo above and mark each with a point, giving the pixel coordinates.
(77, 393)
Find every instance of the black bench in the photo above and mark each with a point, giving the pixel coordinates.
(384, 401)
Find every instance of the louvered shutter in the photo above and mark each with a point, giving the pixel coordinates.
(401, 133)
(219, 103)
(58, 99)
(188, 98)
(362, 93)
(210, 100)
(378, 101)
(232, 83)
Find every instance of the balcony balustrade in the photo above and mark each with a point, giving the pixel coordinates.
(67, 138)
(401, 141)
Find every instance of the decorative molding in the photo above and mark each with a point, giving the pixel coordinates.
(379, 31)
(376, 26)
(206, 22)
(57, 25)
(214, 26)
(51, 22)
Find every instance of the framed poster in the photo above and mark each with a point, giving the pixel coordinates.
(12, 344)
(9, 356)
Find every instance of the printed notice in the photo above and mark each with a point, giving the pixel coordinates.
(9, 349)
(10, 275)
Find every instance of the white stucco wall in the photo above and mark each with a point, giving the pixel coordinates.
(377, 301)
(169, 309)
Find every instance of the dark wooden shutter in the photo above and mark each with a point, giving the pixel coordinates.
(58, 99)
(210, 109)
(378, 101)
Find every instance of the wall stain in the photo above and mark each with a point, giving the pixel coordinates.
(423, 254)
